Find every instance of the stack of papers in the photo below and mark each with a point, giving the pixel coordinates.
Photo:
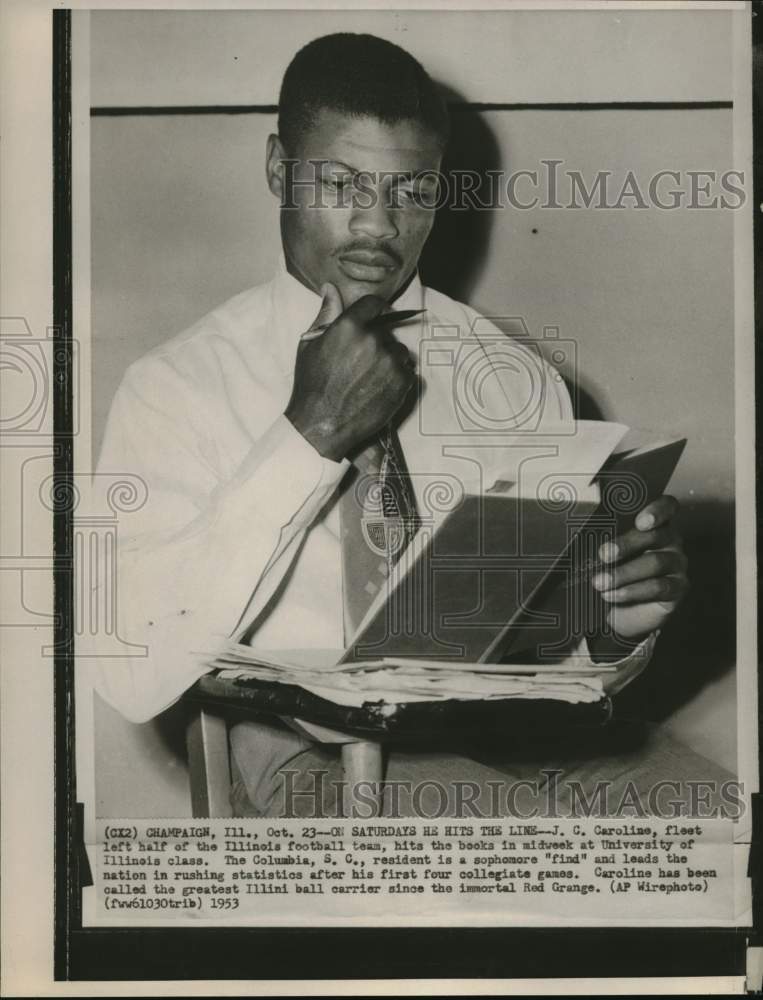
(397, 680)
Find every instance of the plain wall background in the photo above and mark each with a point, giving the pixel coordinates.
(182, 219)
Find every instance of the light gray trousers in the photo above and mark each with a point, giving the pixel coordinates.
(629, 768)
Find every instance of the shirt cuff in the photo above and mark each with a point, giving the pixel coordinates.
(628, 668)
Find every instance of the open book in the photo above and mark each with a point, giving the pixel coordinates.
(403, 679)
(489, 600)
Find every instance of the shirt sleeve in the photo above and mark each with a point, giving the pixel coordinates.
(201, 559)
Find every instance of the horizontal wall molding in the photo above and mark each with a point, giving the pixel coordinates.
(271, 109)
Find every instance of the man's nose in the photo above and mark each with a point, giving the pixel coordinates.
(373, 220)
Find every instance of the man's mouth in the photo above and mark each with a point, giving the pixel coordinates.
(367, 265)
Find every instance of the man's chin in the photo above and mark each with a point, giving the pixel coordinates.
(352, 290)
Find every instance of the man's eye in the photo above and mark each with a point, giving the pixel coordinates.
(336, 183)
(400, 195)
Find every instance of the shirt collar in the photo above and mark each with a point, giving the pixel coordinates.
(295, 307)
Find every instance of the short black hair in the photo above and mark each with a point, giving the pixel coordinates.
(359, 75)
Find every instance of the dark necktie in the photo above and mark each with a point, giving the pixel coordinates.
(378, 518)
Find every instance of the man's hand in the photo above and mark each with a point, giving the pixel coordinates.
(348, 380)
(645, 578)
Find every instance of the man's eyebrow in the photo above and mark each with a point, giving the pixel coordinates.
(338, 163)
(404, 175)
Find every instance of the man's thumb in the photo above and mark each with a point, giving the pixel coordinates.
(331, 308)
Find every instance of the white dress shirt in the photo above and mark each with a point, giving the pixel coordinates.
(241, 529)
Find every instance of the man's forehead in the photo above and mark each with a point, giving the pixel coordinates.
(366, 143)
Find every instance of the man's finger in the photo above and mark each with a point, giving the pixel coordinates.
(633, 542)
(656, 513)
(658, 562)
(405, 358)
(657, 588)
(332, 308)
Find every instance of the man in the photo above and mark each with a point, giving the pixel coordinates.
(245, 426)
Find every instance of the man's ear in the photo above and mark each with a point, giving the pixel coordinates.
(274, 168)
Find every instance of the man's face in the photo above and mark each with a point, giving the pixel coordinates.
(362, 193)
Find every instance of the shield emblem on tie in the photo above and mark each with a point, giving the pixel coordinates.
(385, 536)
